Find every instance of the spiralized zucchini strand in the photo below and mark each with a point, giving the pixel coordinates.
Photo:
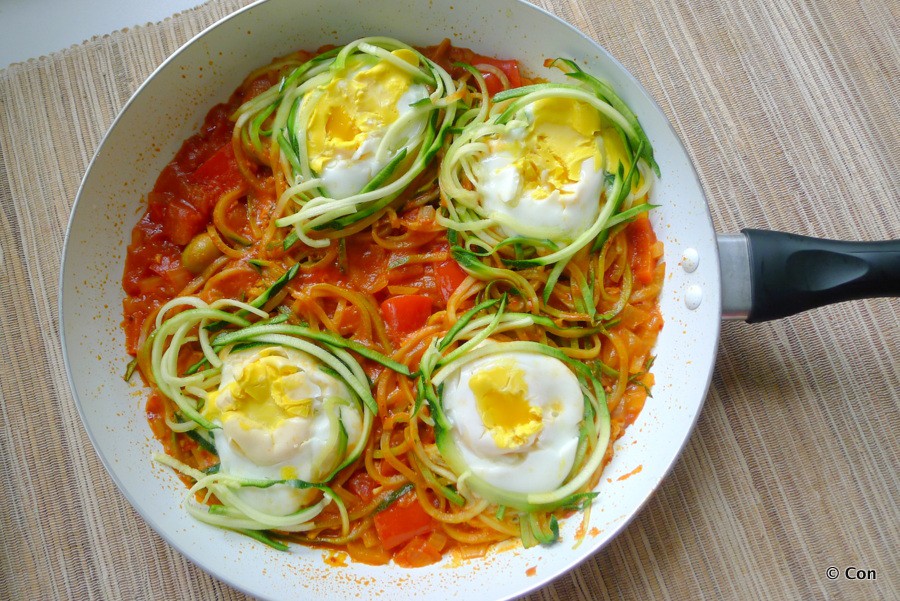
(314, 213)
(189, 389)
(443, 358)
(483, 234)
(236, 514)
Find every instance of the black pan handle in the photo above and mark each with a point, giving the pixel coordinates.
(791, 273)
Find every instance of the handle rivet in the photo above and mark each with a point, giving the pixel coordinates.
(693, 296)
(690, 260)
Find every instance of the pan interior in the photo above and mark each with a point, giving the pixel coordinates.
(171, 105)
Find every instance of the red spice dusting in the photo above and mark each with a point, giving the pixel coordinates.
(336, 559)
(636, 470)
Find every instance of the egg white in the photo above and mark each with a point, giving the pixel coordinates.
(510, 199)
(297, 447)
(346, 173)
(542, 463)
(562, 216)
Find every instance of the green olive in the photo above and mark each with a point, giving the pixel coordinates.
(199, 253)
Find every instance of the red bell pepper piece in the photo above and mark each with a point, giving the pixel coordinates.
(640, 242)
(402, 521)
(405, 313)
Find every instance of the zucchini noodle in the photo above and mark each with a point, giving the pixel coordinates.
(484, 233)
(317, 214)
(246, 262)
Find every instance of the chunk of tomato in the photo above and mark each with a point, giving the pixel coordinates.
(219, 173)
(405, 313)
(363, 486)
(135, 314)
(448, 276)
(417, 553)
(510, 68)
(182, 221)
(640, 242)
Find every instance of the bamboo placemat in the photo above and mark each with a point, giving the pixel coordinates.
(790, 110)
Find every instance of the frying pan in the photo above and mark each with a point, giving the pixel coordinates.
(753, 275)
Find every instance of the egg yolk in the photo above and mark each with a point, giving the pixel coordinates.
(501, 399)
(562, 135)
(355, 105)
(266, 393)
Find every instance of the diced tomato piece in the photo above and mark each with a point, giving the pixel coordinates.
(259, 86)
(179, 277)
(219, 173)
(136, 311)
(366, 265)
(170, 184)
(402, 521)
(216, 130)
(235, 285)
(426, 435)
(363, 486)
(182, 221)
(448, 275)
(155, 407)
(405, 313)
(640, 242)
(150, 284)
(387, 469)
(168, 265)
(417, 553)
(510, 68)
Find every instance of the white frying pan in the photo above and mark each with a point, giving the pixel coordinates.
(171, 105)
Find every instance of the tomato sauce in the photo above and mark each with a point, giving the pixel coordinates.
(203, 188)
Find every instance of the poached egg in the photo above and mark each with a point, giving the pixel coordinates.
(543, 176)
(353, 115)
(280, 417)
(515, 418)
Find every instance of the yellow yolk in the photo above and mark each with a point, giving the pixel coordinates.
(501, 399)
(561, 137)
(260, 396)
(289, 472)
(354, 106)
(615, 151)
